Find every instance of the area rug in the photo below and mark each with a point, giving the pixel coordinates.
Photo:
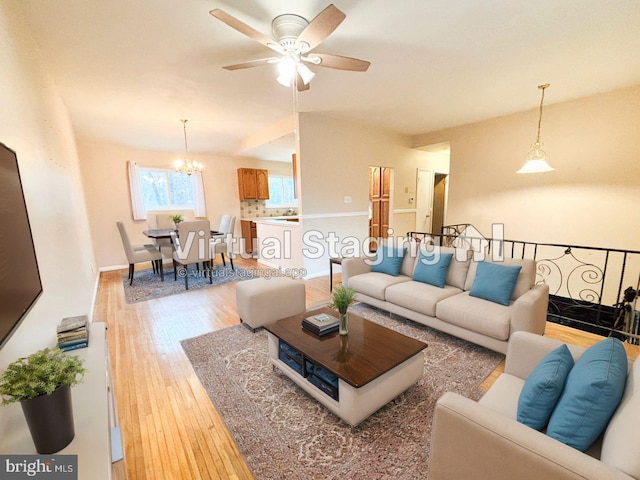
(147, 285)
(283, 433)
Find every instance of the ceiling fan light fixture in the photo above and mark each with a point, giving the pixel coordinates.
(305, 73)
(287, 68)
(284, 80)
(293, 38)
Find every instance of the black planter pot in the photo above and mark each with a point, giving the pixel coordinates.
(50, 420)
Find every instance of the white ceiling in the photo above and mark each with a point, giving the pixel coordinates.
(128, 71)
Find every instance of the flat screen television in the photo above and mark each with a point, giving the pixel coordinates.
(20, 284)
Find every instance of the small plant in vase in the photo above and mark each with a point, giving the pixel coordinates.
(341, 298)
(42, 384)
(176, 219)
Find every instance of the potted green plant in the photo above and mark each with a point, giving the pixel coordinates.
(42, 384)
(341, 298)
(177, 218)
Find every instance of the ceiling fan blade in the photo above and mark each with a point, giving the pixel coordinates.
(251, 63)
(338, 62)
(245, 29)
(320, 28)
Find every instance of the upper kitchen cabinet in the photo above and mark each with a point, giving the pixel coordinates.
(253, 184)
(262, 184)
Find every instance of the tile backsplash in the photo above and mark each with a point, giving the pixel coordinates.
(257, 208)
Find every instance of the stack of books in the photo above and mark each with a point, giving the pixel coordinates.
(321, 324)
(73, 333)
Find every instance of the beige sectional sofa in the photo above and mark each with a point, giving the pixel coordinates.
(483, 440)
(451, 309)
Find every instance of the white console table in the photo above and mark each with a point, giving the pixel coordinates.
(93, 413)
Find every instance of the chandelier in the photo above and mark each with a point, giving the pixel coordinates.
(537, 158)
(186, 166)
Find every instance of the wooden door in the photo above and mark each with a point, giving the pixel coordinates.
(379, 197)
(385, 194)
(374, 200)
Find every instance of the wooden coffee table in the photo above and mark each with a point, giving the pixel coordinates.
(352, 375)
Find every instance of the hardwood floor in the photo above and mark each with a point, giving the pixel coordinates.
(170, 428)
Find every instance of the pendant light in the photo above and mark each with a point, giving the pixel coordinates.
(537, 158)
(186, 166)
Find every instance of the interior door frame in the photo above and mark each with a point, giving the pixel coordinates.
(424, 176)
(446, 196)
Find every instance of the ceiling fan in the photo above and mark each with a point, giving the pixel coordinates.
(295, 38)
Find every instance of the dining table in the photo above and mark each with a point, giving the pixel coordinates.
(164, 233)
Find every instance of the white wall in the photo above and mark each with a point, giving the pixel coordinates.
(334, 160)
(34, 123)
(105, 178)
(590, 199)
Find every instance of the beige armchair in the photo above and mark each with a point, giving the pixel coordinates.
(192, 246)
(223, 243)
(483, 440)
(139, 254)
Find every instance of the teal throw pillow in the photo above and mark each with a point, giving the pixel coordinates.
(388, 260)
(432, 268)
(494, 282)
(543, 388)
(591, 395)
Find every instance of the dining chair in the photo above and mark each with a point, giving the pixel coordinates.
(139, 254)
(223, 243)
(192, 246)
(162, 221)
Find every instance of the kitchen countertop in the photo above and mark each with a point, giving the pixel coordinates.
(284, 220)
(281, 217)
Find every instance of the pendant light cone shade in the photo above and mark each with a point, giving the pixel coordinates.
(537, 157)
(186, 166)
(536, 160)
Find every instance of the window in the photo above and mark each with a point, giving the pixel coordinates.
(281, 192)
(165, 189)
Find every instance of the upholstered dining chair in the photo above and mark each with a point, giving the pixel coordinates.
(162, 221)
(192, 246)
(223, 243)
(139, 254)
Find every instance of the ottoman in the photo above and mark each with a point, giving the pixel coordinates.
(263, 300)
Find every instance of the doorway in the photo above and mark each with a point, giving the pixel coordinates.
(431, 196)
(439, 195)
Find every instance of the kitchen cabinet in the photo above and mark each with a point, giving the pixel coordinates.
(249, 234)
(253, 184)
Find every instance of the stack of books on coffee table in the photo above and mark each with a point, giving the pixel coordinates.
(321, 324)
(73, 333)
